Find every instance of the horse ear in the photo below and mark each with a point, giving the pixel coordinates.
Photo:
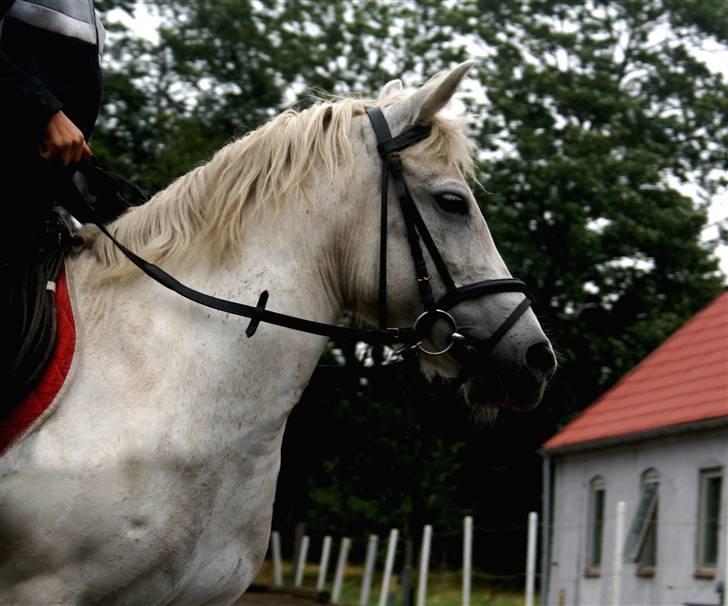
(422, 105)
(434, 95)
(390, 89)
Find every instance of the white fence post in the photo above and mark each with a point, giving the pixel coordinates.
(275, 544)
(301, 564)
(323, 566)
(340, 566)
(617, 556)
(388, 565)
(725, 560)
(424, 566)
(531, 558)
(366, 582)
(467, 558)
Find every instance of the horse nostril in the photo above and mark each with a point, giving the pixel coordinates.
(540, 358)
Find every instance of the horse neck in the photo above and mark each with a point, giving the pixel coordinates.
(174, 340)
(289, 254)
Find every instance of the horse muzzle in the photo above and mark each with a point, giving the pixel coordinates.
(513, 376)
(491, 381)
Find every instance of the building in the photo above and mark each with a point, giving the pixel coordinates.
(658, 441)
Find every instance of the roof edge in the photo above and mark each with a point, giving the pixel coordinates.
(636, 368)
(657, 432)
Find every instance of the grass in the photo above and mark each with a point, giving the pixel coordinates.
(443, 587)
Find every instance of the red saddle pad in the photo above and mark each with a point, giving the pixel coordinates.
(31, 411)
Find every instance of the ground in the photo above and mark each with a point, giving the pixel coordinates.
(272, 599)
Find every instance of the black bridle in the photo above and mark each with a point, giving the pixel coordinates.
(389, 148)
(412, 339)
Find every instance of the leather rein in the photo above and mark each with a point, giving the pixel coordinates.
(413, 339)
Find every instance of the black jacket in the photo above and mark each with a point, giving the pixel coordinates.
(42, 72)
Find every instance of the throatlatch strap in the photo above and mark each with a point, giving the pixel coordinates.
(382, 132)
(382, 304)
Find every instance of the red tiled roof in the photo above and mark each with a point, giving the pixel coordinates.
(682, 381)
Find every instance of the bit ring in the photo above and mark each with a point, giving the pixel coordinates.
(439, 315)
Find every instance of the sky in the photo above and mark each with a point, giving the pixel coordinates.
(714, 55)
(716, 58)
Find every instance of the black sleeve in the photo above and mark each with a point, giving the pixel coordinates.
(23, 98)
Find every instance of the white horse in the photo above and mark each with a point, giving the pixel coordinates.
(153, 480)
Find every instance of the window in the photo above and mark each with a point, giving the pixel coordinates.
(595, 525)
(711, 485)
(641, 544)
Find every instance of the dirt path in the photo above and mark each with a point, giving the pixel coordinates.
(272, 599)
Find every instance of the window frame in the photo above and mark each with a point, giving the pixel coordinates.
(703, 568)
(595, 524)
(650, 477)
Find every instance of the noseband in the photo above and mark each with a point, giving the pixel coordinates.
(413, 339)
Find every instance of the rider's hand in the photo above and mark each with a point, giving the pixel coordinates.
(63, 138)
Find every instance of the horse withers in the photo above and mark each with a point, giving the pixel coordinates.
(152, 481)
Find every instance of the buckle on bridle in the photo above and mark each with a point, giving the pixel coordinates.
(438, 314)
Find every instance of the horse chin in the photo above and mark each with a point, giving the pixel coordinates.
(444, 367)
(485, 388)
(487, 393)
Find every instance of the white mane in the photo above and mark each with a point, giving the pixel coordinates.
(259, 173)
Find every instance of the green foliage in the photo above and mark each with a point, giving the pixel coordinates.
(602, 113)
(590, 117)
(397, 432)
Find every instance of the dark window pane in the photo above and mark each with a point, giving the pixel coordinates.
(713, 487)
(648, 556)
(598, 528)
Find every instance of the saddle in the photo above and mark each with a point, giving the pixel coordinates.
(86, 191)
(30, 308)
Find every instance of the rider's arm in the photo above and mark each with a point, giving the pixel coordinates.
(30, 104)
(25, 100)
(64, 139)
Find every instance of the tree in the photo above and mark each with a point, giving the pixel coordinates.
(601, 130)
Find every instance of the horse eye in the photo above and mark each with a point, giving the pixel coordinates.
(452, 203)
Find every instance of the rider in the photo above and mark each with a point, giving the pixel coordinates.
(50, 93)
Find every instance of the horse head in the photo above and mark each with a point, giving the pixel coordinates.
(483, 332)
